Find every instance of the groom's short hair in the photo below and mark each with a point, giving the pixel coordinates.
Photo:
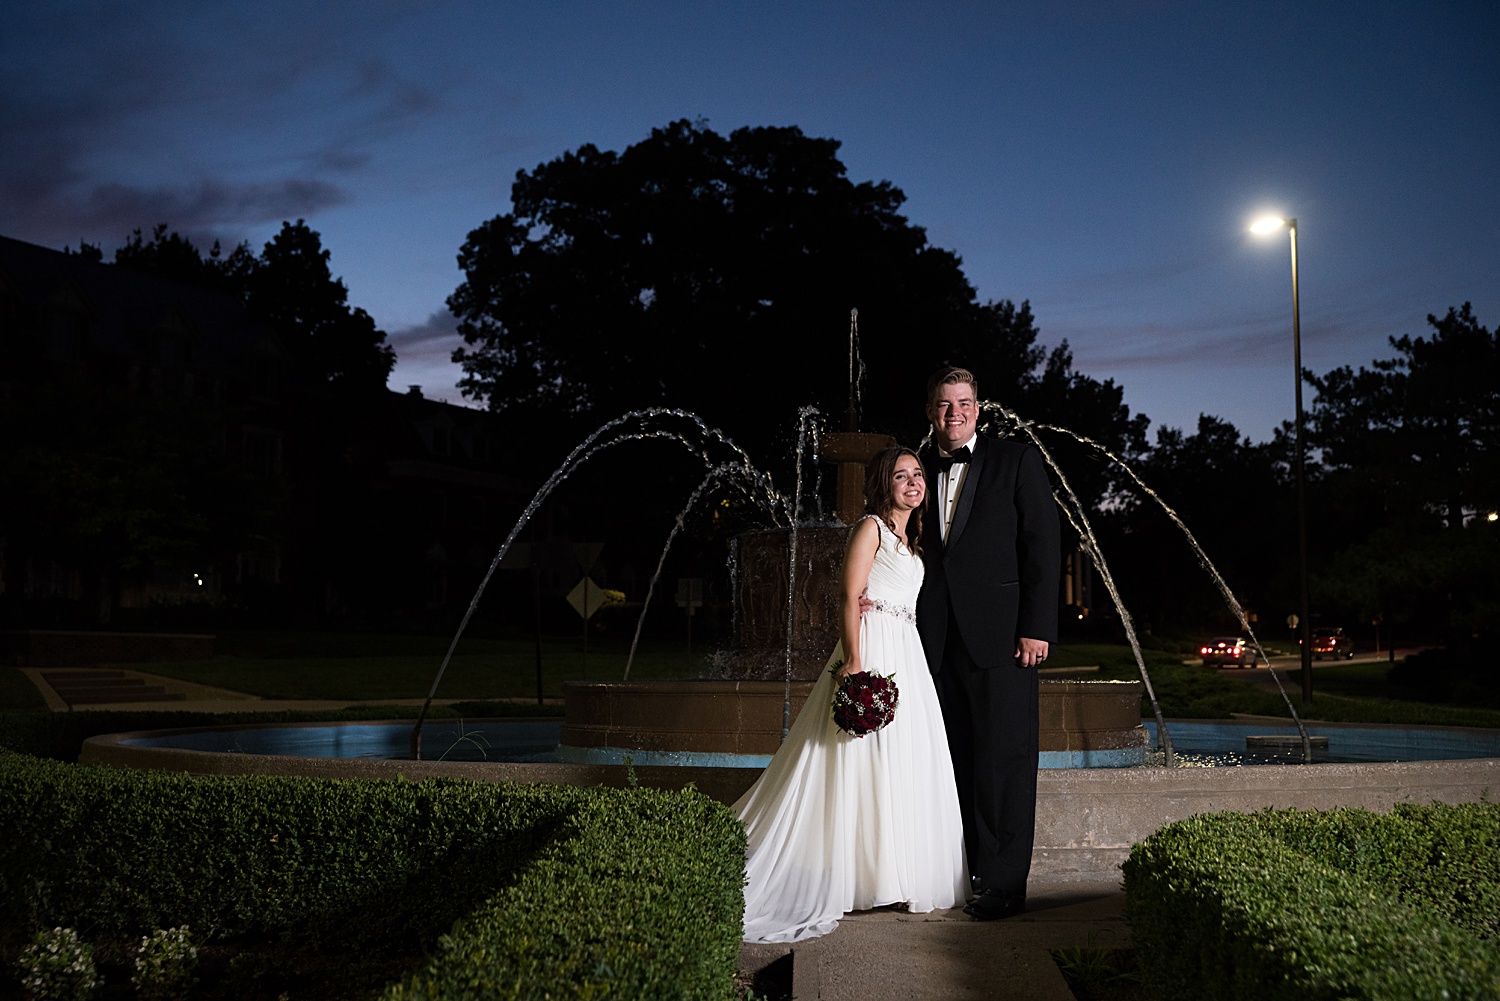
(947, 376)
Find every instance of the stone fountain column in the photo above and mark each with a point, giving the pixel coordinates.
(764, 563)
(850, 452)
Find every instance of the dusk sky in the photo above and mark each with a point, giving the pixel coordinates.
(1100, 159)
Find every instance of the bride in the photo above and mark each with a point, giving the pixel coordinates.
(838, 823)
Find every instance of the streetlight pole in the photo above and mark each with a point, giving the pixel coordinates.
(1305, 616)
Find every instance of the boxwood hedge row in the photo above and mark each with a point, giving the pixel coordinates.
(514, 891)
(1311, 905)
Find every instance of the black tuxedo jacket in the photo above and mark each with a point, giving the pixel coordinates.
(1000, 569)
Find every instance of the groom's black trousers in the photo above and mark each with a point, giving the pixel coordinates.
(991, 719)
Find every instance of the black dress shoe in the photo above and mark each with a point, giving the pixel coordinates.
(993, 904)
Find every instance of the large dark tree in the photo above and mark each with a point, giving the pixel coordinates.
(1420, 430)
(717, 274)
(1410, 468)
(120, 480)
(1232, 495)
(289, 286)
(292, 288)
(1058, 395)
(168, 254)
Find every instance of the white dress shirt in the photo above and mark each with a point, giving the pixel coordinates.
(951, 484)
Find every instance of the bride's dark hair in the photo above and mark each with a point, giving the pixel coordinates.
(880, 495)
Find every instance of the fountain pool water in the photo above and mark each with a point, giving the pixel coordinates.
(1216, 742)
(1087, 818)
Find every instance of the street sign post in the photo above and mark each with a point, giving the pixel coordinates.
(587, 554)
(690, 597)
(524, 556)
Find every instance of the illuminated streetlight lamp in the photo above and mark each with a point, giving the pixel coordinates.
(1262, 227)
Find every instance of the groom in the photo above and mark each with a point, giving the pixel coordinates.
(987, 614)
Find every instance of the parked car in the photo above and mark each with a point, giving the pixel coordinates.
(1331, 643)
(1223, 651)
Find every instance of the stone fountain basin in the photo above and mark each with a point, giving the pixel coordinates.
(1087, 818)
(1084, 724)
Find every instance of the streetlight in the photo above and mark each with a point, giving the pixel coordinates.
(1261, 227)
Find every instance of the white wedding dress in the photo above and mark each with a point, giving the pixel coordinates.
(839, 823)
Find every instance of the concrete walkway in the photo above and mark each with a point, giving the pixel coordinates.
(192, 697)
(887, 955)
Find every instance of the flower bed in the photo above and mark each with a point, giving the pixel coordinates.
(1310, 905)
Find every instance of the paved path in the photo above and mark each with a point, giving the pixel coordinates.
(1290, 666)
(188, 696)
(886, 955)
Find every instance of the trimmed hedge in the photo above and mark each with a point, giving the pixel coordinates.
(549, 891)
(1311, 905)
(659, 920)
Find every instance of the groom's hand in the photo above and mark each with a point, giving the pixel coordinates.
(1030, 652)
(865, 604)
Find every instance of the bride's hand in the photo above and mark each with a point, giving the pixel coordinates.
(847, 668)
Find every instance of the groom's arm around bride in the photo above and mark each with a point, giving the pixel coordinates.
(988, 615)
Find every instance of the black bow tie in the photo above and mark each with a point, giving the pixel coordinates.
(946, 462)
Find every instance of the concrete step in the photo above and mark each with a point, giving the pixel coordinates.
(54, 677)
(79, 688)
(99, 696)
(70, 684)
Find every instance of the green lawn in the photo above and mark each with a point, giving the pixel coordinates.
(17, 691)
(364, 667)
(1354, 693)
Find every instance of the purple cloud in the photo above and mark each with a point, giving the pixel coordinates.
(424, 355)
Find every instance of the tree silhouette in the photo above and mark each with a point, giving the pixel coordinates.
(1420, 429)
(717, 274)
(293, 289)
(1233, 498)
(1410, 475)
(289, 286)
(168, 254)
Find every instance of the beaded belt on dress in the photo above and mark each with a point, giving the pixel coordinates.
(903, 612)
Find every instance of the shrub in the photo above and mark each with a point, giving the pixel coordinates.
(540, 889)
(56, 966)
(661, 921)
(1340, 904)
(164, 965)
(1444, 674)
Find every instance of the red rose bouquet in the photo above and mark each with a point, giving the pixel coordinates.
(864, 702)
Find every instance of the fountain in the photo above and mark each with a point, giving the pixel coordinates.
(717, 734)
(786, 623)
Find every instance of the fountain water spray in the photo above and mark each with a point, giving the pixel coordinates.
(856, 372)
(590, 446)
(1086, 531)
(1206, 564)
(735, 472)
(742, 473)
(817, 445)
(804, 416)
